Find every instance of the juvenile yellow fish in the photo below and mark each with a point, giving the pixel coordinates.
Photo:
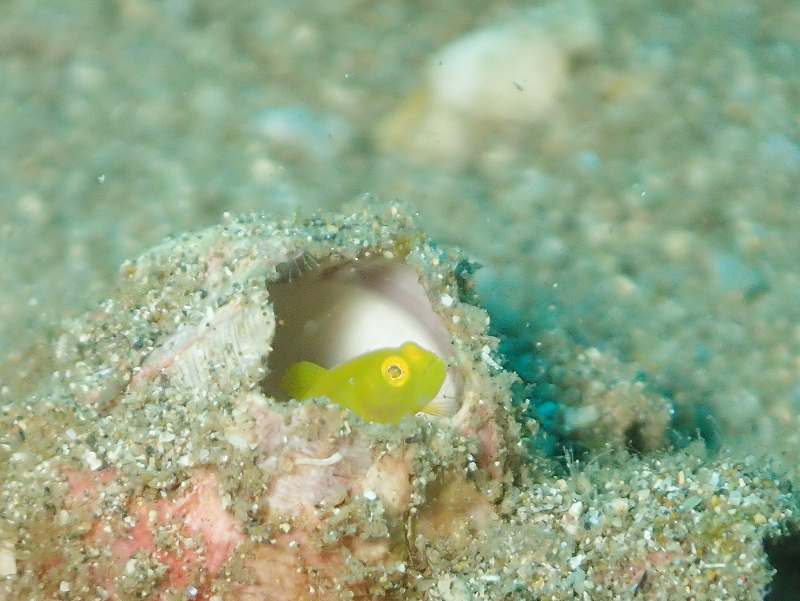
(380, 386)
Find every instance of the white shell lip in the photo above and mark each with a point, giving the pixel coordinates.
(329, 316)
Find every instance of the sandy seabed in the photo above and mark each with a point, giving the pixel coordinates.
(635, 214)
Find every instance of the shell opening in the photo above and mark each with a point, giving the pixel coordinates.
(330, 315)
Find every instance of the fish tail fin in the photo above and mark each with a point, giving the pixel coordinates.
(300, 378)
(442, 407)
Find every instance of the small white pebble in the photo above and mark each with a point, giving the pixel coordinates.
(447, 300)
(325, 461)
(18, 457)
(90, 457)
(576, 509)
(130, 567)
(370, 495)
(237, 439)
(486, 355)
(64, 586)
(285, 527)
(713, 566)
(619, 506)
(576, 561)
(8, 563)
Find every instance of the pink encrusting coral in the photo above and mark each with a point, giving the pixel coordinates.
(209, 533)
(310, 480)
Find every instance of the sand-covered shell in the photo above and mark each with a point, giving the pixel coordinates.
(166, 409)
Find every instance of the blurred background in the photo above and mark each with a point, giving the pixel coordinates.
(627, 171)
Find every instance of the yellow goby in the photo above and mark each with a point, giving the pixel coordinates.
(381, 386)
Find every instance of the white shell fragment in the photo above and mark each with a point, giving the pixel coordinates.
(516, 69)
(8, 562)
(512, 71)
(236, 337)
(509, 72)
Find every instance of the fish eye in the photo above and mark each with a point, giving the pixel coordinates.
(394, 370)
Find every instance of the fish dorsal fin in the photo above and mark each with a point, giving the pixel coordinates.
(301, 377)
(441, 407)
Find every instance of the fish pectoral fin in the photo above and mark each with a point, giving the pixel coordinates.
(441, 407)
(301, 377)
